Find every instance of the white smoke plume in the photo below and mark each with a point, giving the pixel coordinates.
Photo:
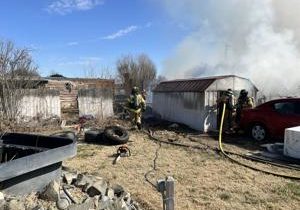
(257, 39)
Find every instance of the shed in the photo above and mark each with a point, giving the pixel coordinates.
(193, 101)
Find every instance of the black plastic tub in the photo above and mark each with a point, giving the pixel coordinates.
(28, 162)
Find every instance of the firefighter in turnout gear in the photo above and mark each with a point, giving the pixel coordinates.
(244, 102)
(228, 98)
(136, 105)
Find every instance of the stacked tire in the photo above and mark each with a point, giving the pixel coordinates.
(93, 135)
(116, 134)
(110, 135)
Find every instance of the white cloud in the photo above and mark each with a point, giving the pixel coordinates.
(63, 7)
(72, 43)
(121, 32)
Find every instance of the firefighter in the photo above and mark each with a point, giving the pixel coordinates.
(227, 98)
(244, 102)
(136, 105)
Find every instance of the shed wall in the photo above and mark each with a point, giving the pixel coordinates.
(198, 109)
(181, 107)
(95, 102)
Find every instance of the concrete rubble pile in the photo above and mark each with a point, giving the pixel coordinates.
(75, 192)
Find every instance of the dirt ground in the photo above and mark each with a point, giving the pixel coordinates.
(204, 179)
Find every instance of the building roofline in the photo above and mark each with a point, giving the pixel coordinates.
(209, 80)
(204, 78)
(75, 78)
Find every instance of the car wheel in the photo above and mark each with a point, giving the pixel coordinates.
(258, 132)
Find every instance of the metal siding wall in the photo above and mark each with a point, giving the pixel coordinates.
(173, 107)
(95, 102)
(210, 122)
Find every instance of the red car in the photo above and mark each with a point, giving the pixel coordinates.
(271, 118)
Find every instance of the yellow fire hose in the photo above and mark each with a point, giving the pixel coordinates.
(221, 129)
(243, 164)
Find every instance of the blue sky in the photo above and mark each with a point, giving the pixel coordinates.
(73, 36)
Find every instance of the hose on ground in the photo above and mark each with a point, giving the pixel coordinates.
(226, 153)
(205, 147)
(154, 167)
(243, 164)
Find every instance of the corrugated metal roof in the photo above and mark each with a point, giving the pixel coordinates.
(189, 85)
(184, 86)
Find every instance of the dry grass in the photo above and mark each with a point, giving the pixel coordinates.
(204, 180)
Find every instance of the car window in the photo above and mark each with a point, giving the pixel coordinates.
(286, 108)
(297, 108)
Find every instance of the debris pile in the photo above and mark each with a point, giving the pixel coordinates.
(75, 192)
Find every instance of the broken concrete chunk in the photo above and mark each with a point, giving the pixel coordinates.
(83, 181)
(118, 190)
(88, 205)
(98, 188)
(119, 204)
(52, 192)
(104, 202)
(127, 198)
(62, 204)
(110, 193)
(14, 205)
(95, 201)
(1, 196)
(68, 177)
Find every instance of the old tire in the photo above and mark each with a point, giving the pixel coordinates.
(116, 134)
(66, 134)
(93, 135)
(258, 132)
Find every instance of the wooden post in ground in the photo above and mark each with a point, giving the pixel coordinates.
(170, 193)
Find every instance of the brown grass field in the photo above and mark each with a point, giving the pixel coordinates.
(204, 179)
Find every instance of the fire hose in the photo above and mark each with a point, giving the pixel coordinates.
(243, 164)
(226, 154)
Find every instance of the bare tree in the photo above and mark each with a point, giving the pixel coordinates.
(17, 71)
(93, 71)
(136, 71)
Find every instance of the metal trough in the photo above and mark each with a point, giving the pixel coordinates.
(28, 162)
